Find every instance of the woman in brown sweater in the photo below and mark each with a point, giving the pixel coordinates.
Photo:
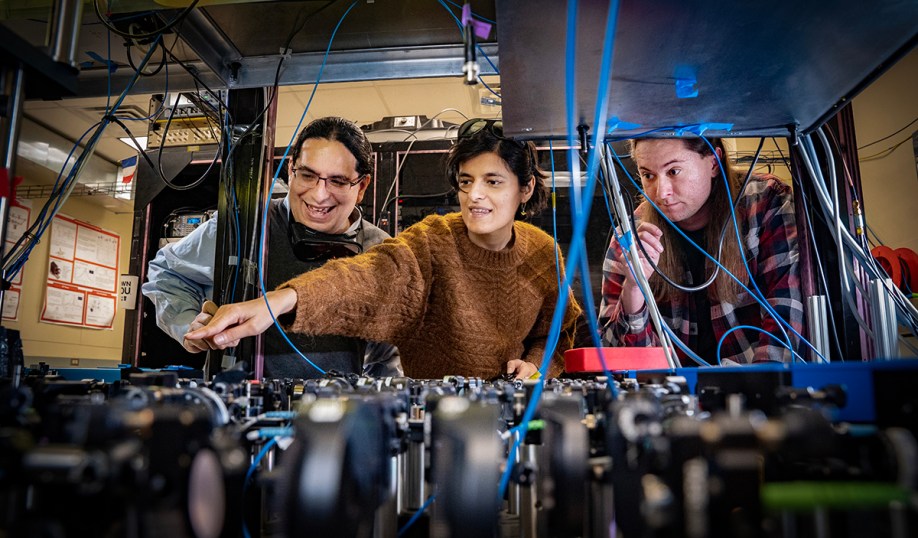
(468, 293)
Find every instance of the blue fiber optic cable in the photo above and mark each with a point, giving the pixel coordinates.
(417, 515)
(739, 240)
(90, 147)
(691, 354)
(264, 216)
(750, 327)
(580, 221)
(252, 468)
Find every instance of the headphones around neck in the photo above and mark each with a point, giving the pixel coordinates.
(313, 246)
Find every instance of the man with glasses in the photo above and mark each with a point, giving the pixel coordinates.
(318, 220)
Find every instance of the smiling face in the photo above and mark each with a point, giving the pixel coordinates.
(677, 180)
(489, 195)
(314, 206)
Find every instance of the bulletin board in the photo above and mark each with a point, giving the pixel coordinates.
(17, 223)
(82, 275)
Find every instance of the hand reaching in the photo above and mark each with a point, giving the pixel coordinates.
(200, 321)
(236, 321)
(521, 369)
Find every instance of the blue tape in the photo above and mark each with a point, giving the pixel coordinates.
(625, 241)
(615, 123)
(686, 79)
(700, 128)
(112, 66)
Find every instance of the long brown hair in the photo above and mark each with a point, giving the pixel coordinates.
(672, 261)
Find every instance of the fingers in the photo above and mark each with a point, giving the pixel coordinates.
(225, 317)
(201, 320)
(209, 307)
(651, 236)
(230, 337)
(650, 228)
(194, 346)
(521, 369)
(233, 322)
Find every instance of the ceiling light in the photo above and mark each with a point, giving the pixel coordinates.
(142, 140)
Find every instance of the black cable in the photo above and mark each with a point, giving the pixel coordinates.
(884, 153)
(148, 35)
(720, 246)
(137, 145)
(159, 161)
(130, 57)
(159, 166)
(229, 182)
(888, 136)
(297, 28)
(194, 74)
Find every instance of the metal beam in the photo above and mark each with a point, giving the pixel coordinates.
(257, 72)
(209, 42)
(359, 65)
(45, 78)
(94, 83)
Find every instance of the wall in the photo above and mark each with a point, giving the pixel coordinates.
(888, 168)
(890, 182)
(57, 344)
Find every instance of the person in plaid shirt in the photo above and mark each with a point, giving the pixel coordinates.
(683, 178)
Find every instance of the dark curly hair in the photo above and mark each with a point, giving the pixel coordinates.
(339, 130)
(519, 157)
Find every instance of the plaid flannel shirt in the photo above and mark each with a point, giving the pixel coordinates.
(765, 215)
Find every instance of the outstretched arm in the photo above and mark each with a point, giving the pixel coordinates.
(179, 279)
(236, 321)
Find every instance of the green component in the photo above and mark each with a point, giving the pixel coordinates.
(538, 424)
(843, 495)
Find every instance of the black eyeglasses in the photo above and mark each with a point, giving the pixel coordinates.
(334, 184)
(496, 128)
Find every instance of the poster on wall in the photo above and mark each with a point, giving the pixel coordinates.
(17, 223)
(82, 275)
(11, 304)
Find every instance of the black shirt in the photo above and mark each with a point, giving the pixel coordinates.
(703, 341)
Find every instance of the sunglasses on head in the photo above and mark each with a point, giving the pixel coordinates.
(474, 125)
(496, 127)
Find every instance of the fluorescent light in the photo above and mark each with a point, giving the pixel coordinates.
(142, 140)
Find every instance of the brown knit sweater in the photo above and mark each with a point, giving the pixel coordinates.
(451, 307)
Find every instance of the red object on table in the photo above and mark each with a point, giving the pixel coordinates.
(586, 359)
